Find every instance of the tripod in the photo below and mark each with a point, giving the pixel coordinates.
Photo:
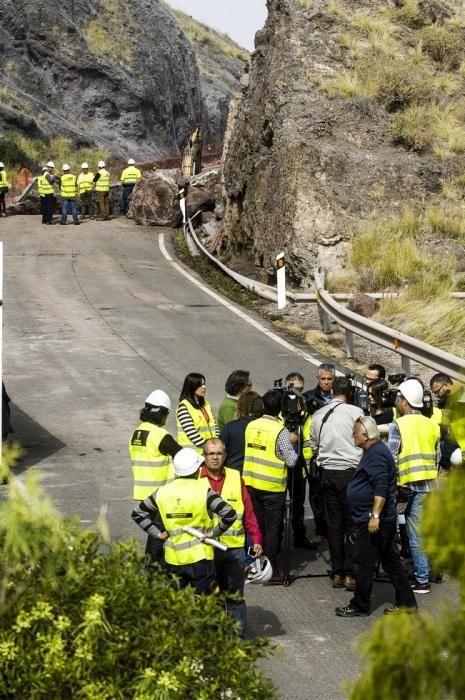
(288, 513)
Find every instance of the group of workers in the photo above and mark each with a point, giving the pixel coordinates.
(77, 191)
(227, 478)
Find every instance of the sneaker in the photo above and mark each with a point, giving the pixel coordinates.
(418, 587)
(399, 608)
(349, 611)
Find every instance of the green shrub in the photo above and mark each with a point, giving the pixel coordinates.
(408, 13)
(79, 618)
(421, 657)
(398, 83)
(413, 128)
(442, 44)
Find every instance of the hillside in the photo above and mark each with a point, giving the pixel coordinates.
(123, 76)
(348, 148)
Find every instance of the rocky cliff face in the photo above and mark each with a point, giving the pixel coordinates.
(312, 149)
(119, 74)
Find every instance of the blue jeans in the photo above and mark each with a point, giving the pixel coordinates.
(229, 568)
(412, 520)
(65, 203)
(123, 203)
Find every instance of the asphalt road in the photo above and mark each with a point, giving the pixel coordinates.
(95, 318)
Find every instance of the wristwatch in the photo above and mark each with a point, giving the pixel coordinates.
(374, 515)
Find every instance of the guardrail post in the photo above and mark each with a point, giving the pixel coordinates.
(406, 365)
(349, 344)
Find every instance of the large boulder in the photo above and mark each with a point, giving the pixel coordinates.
(204, 192)
(155, 201)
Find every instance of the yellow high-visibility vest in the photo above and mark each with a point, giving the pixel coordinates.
(416, 460)
(85, 182)
(68, 188)
(263, 470)
(306, 449)
(437, 415)
(130, 175)
(103, 183)
(43, 186)
(150, 468)
(206, 427)
(184, 502)
(3, 181)
(232, 494)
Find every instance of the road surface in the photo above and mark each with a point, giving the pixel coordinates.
(95, 318)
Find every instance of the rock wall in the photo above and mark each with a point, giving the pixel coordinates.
(119, 74)
(303, 166)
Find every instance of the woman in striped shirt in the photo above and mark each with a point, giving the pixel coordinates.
(194, 415)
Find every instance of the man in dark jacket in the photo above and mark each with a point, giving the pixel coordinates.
(372, 499)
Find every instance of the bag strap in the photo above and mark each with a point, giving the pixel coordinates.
(325, 419)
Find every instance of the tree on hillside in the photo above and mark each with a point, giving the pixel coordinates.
(80, 618)
(420, 656)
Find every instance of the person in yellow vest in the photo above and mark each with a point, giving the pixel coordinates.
(414, 443)
(48, 192)
(187, 501)
(194, 416)
(230, 565)
(68, 193)
(151, 449)
(3, 188)
(129, 177)
(102, 191)
(85, 184)
(269, 451)
(42, 188)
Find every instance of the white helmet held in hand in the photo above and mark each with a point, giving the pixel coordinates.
(159, 398)
(131, 161)
(261, 571)
(412, 391)
(101, 164)
(2, 165)
(186, 461)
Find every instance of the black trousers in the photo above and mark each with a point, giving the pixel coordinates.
(269, 510)
(48, 207)
(339, 520)
(317, 505)
(367, 548)
(200, 575)
(297, 484)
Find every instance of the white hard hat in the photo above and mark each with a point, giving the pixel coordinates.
(101, 164)
(261, 570)
(44, 168)
(131, 161)
(2, 165)
(456, 457)
(66, 166)
(412, 391)
(85, 165)
(159, 398)
(50, 164)
(186, 462)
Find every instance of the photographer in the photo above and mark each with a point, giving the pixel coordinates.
(338, 457)
(295, 382)
(269, 451)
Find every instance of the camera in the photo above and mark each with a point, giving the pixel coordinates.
(359, 395)
(389, 397)
(293, 405)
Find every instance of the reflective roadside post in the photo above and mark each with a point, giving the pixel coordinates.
(182, 203)
(281, 280)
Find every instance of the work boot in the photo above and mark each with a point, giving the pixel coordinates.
(338, 581)
(349, 583)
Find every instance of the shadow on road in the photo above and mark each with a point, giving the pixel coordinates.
(263, 623)
(36, 441)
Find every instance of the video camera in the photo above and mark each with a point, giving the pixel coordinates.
(293, 405)
(389, 397)
(359, 395)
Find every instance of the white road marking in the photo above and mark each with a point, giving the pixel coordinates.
(304, 355)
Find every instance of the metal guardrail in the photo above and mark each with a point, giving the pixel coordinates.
(407, 347)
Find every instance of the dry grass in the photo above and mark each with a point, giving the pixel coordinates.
(306, 4)
(444, 45)
(343, 281)
(408, 13)
(209, 39)
(431, 126)
(107, 35)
